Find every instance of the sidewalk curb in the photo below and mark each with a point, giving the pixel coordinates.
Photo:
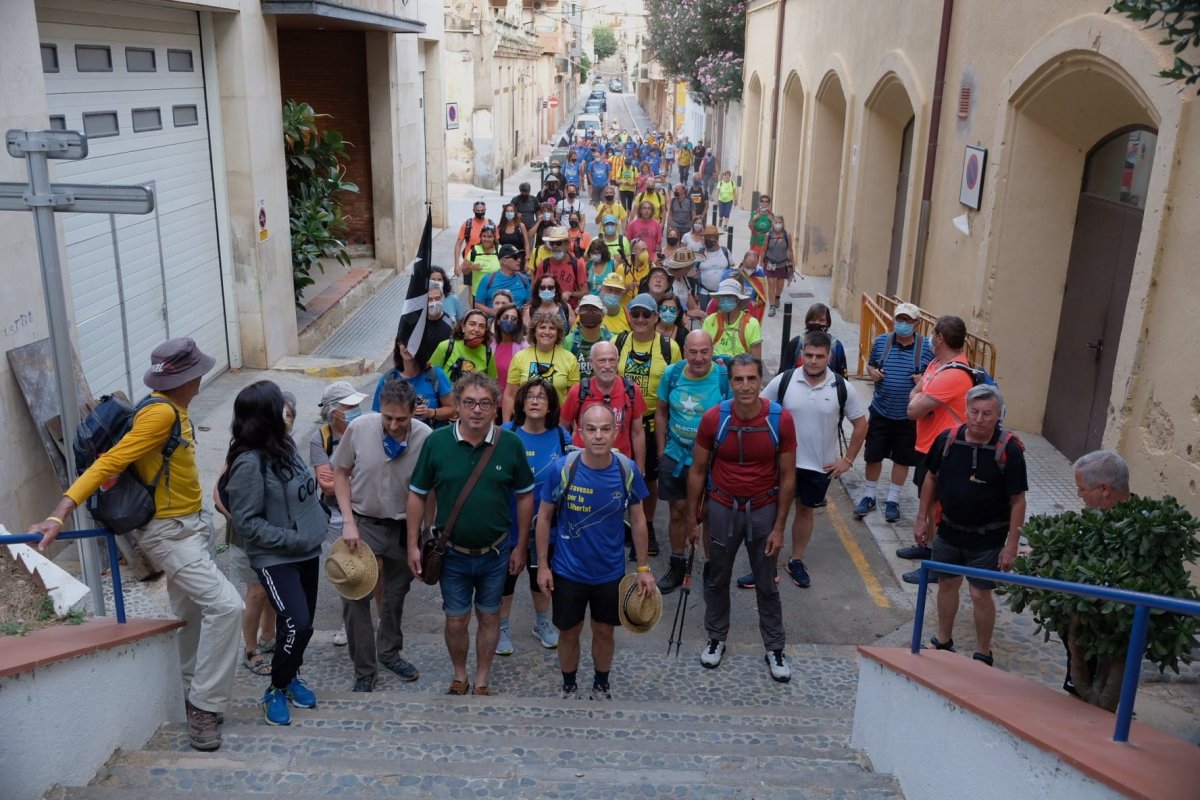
(322, 367)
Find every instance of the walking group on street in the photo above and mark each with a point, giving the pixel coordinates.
(578, 378)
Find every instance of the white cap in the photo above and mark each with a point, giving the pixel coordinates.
(907, 310)
(730, 286)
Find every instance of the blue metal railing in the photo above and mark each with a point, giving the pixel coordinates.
(114, 556)
(1141, 601)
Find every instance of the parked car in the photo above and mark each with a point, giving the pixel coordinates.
(586, 122)
(615, 86)
(598, 90)
(595, 106)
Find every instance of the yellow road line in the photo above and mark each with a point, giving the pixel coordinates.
(856, 556)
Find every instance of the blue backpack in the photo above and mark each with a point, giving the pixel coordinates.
(725, 426)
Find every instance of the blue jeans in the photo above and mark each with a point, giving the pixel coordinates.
(474, 580)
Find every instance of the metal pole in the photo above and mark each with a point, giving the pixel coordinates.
(728, 236)
(60, 343)
(502, 183)
(1133, 671)
(787, 334)
(919, 619)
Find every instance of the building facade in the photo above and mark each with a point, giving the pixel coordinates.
(187, 97)
(1052, 219)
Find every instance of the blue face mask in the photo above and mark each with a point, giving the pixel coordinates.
(546, 294)
(350, 416)
(610, 229)
(727, 305)
(668, 314)
(904, 328)
(611, 300)
(393, 449)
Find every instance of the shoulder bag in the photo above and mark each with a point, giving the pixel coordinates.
(433, 541)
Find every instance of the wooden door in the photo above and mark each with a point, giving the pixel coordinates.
(901, 209)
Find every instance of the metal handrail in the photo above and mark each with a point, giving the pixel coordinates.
(876, 318)
(114, 556)
(1141, 601)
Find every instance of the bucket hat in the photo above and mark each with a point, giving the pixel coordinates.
(175, 362)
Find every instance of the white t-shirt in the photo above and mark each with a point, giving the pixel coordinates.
(712, 266)
(814, 409)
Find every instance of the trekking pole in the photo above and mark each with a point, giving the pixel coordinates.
(685, 589)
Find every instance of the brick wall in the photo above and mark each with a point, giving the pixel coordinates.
(328, 70)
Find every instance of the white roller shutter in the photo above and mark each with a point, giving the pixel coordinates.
(131, 77)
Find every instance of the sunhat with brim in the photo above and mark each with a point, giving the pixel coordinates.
(710, 230)
(613, 281)
(729, 286)
(683, 258)
(175, 362)
(352, 573)
(638, 614)
(341, 393)
(556, 234)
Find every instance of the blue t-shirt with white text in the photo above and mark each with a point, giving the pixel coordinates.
(600, 171)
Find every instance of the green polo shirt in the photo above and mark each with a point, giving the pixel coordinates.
(445, 464)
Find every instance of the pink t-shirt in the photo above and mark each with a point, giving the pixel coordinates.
(648, 230)
(504, 355)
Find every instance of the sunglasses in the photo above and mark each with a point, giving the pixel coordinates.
(641, 313)
(550, 287)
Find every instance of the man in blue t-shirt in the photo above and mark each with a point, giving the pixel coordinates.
(599, 172)
(897, 361)
(688, 388)
(589, 545)
(507, 277)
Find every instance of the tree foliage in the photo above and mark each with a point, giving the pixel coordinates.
(1142, 545)
(604, 42)
(702, 42)
(1180, 21)
(585, 66)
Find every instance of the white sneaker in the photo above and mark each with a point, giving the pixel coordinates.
(710, 656)
(777, 661)
(339, 638)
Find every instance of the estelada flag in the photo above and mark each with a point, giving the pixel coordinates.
(411, 329)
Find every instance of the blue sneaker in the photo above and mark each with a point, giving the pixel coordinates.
(301, 696)
(891, 511)
(275, 705)
(864, 507)
(799, 573)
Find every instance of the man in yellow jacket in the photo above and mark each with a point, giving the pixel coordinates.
(177, 540)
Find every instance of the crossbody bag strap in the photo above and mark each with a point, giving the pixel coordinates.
(448, 531)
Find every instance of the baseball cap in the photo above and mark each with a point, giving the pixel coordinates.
(592, 301)
(510, 251)
(907, 310)
(610, 218)
(341, 393)
(613, 281)
(643, 300)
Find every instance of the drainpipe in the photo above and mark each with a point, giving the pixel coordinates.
(776, 98)
(935, 112)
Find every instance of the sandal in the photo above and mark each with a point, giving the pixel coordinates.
(458, 687)
(948, 646)
(986, 659)
(257, 663)
(266, 646)
(483, 691)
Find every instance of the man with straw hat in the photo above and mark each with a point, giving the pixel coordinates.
(372, 467)
(582, 513)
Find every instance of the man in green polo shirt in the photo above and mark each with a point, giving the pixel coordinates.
(479, 555)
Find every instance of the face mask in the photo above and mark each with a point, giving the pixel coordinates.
(546, 217)
(510, 215)
(436, 283)
(778, 226)
(608, 198)
(611, 300)
(697, 228)
(904, 328)
(594, 259)
(668, 314)
(571, 196)
(590, 319)
(479, 214)
(672, 240)
(473, 341)
(711, 244)
(574, 224)
(392, 449)
(610, 229)
(812, 326)
(509, 326)
(435, 308)
(764, 206)
(727, 305)
(350, 416)
(546, 294)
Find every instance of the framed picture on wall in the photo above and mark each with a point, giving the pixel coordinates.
(974, 163)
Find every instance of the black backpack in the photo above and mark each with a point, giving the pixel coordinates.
(127, 502)
(664, 345)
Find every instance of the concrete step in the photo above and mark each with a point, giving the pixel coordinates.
(333, 305)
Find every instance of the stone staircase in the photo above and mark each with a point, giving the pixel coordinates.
(672, 730)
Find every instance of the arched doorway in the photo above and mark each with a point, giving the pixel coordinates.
(786, 191)
(752, 114)
(1108, 224)
(825, 183)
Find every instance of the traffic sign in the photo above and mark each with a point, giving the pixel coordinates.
(553, 101)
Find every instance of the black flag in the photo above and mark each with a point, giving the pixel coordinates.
(412, 318)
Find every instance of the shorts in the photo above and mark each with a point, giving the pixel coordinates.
(811, 487)
(239, 571)
(572, 598)
(597, 194)
(510, 581)
(895, 439)
(650, 473)
(985, 558)
(723, 208)
(671, 488)
(782, 272)
(473, 580)
(920, 472)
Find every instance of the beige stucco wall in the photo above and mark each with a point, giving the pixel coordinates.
(1049, 81)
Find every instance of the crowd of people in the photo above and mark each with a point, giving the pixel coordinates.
(578, 377)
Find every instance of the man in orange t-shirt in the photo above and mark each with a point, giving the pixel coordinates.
(937, 402)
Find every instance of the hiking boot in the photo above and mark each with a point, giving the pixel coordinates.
(364, 684)
(710, 656)
(300, 695)
(864, 507)
(891, 511)
(651, 542)
(674, 577)
(404, 670)
(914, 577)
(504, 643)
(546, 634)
(914, 552)
(339, 638)
(275, 706)
(569, 693)
(777, 661)
(203, 733)
(600, 693)
(799, 573)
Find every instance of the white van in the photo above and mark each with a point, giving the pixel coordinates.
(587, 122)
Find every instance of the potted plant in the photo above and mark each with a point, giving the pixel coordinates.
(1142, 545)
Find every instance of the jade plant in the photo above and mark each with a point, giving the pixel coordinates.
(1142, 545)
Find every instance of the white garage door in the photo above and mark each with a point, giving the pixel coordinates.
(130, 77)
